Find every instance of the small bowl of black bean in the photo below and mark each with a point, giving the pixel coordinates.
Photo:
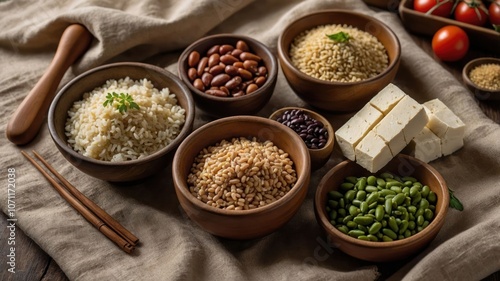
(382, 217)
(313, 128)
(229, 74)
(482, 77)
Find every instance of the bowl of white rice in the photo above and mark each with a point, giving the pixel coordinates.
(337, 60)
(121, 122)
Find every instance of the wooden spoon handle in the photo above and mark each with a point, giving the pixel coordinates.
(29, 116)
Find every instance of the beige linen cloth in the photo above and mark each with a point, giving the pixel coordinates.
(173, 247)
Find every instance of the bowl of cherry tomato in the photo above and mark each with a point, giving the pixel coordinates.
(479, 19)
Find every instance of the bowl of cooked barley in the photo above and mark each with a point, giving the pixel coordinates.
(482, 77)
(336, 60)
(121, 122)
(241, 177)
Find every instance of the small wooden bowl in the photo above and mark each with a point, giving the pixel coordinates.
(403, 165)
(118, 171)
(229, 106)
(318, 156)
(480, 92)
(338, 96)
(243, 224)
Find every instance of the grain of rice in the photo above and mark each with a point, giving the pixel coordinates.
(103, 133)
(316, 55)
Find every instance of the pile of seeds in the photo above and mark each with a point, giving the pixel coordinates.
(241, 174)
(486, 76)
(360, 58)
(312, 131)
(383, 208)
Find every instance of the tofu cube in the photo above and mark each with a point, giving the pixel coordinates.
(426, 146)
(387, 98)
(372, 153)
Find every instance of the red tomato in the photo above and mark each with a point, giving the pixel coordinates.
(440, 8)
(495, 12)
(450, 43)
(471, 11)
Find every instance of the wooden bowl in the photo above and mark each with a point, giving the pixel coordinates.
(402, 165)
(242, 224)
(229, 106)
(86, 82)
(338, 96)
(480, 92)
(318, 156)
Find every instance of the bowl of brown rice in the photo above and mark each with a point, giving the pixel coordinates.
(336, 60)
(241, 177)
(482, 77)
(121, 122)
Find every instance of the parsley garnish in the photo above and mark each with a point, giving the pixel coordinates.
(125, 101)
(340, 37)
(454, 202)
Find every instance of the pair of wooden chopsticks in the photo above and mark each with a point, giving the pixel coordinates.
(88, 209)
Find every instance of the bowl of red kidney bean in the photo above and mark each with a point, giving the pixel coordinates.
(229, 74)
(314, 129)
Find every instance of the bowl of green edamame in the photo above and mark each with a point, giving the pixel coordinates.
(382, 217)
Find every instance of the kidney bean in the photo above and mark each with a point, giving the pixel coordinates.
(215, 70)
(249, 56)
(220, 79)
(238, 64)
(231, 70)
(261, 71)
(242, 45)
(227, 70)
(251, 88)
(192, 73)
(251, 65)
(224, 49)
(236, 53)
(228, 59)
(198, 84)
(260, 81)
(193, 59)
(213, 50)
(201, 65)
(245, 74)
(214, 59)
(217, 93)
(234, 82)
(206, 78)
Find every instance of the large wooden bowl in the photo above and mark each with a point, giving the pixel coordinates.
(383, 251)
(118, 171)
(242, 224)
(229, 106)
(338, 96)
(319, 156)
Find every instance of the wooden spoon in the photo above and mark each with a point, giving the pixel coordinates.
(29, 116)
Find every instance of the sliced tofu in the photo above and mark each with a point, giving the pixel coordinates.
(349, 135)
(402, 124)
(372, 153)
(387, 98)
(426, 146)
(446, 125)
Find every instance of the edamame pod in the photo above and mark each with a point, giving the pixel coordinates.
(390, 233)
(371, 180)
(376, 226)
(363, 220)
(373, 197)
(379, 213)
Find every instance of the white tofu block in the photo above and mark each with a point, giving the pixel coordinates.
(426, 146)
(387, 98)
(390, 129)
(351, 133)
(372, 153)
(370, 114)
(402, 124)
(446, 125)
(451, 144)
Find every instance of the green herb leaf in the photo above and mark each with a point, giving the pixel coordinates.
(455, 202)
(125, 101)
(340, 37)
